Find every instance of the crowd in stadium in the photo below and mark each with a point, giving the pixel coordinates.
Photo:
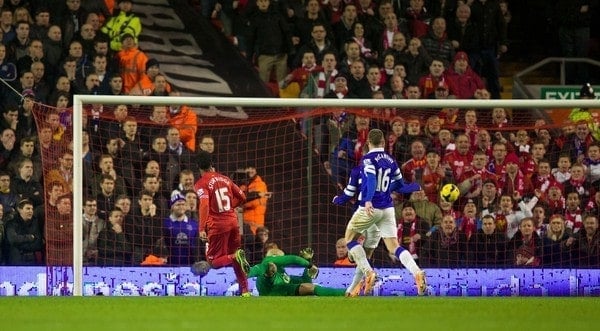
(138, 169)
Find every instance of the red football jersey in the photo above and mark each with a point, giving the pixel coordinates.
(218, 196)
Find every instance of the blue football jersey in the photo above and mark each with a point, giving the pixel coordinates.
(379, 176)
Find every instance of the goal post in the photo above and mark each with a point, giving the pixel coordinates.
(269, 108)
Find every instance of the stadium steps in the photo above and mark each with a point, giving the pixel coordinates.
(542, 76)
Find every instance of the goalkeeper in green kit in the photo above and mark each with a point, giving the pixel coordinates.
(272, 280)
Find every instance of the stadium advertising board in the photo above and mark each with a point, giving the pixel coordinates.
(161, 281)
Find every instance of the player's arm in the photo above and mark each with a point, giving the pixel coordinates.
(203, 208)
(258, 270)
(238, 195)
(399, 185)
(350, 189)
(283, 261)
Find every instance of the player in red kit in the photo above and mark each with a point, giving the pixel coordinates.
(219, 196)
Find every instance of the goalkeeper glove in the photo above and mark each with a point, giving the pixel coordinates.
(313, 271)
(307, 254)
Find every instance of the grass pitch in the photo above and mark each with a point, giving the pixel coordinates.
(298, 313)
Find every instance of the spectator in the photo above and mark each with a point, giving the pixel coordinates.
(333, 11)
(555, 252)
(106, 167)
(255, 243)
(427, 211)
(145, 85)
(433, 175)
(8, 199)
(411, 230)
(320, 43)
(396, 87)
(578, 183)
(437, 77)
(507, 220)
(270, 36)
(257, 194)
(53, 46)
(358, 83)
(132, 149)
(413, 167)
(359, 35)
(27, 151)
(151, 183)
(158, 153)
(301, 74)
(186, 182)
(185, 120)
(344, 28)
(64, 173)
(525, 248)
(463, 77)
(146, 228)
(112, 126)
(480, 138)
(114, 247)
(397, 143)
(321, 84)
(114, 85)
(486, 14)
(17, 48)
(489, 246)
(468, 222)
(573, 213)
(464, 34)
(86, 37)
(341, 254)
(459, 159)
(573, 19)
(92, 226)
(418, 18)
(25, 186)
(472, 179)
(192, 200)
(437, 43)
(123, 22)
(181, 234)
(59, 233)
(39, 29)
(585, 245)
(131, 61)
(99, 67)
(180, 157)
(303, 26)
(24, 237)
(447, 247)
(497, 163)
(123, 203)
(106, 194)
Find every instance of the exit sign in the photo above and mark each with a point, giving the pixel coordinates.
(562, 92)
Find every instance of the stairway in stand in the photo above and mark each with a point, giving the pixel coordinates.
(544, 76)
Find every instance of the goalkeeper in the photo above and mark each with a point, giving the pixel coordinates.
(272, 279)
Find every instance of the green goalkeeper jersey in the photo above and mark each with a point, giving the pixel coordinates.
(280, 283)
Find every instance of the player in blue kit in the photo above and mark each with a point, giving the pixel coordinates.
(380, 176)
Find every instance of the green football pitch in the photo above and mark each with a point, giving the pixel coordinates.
(298, 313)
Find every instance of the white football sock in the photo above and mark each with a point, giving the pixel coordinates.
(358, 275)
(407, 260)
(360, 258)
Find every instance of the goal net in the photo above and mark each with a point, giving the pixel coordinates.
(122, 159)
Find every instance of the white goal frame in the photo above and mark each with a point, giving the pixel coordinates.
(80, 100)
